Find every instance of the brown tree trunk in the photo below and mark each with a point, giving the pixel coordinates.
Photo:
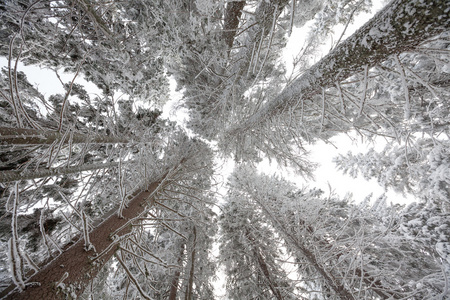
(373, 43)
(232, 16)
(75, 264)
(334, 283)
(7, 176)
(22, 136)
(372, 283)
(176, 276)
(264, 268)
(188, 295)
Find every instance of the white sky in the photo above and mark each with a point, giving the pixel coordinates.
(46, 81)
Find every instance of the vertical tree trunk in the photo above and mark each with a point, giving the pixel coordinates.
(176, 276)
(188, 295)
(264, 268)
(74, 268)
(232, 16)
(384, 35)
(7, 176)
(372, 283)
(335, 283)
(22, 136)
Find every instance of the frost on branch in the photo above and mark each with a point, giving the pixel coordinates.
(87, 242)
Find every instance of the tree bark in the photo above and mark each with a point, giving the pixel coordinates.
(232, 16)
(384, 35)
(190, 284)
(7, 176)
(176, 276)
(22, 136)
(264, 268)
(75, 263)
(335, 284)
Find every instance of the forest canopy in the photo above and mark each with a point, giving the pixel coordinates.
(101, 197)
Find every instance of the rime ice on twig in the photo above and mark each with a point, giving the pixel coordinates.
(15, 259)
(87, 243)
(132, 278)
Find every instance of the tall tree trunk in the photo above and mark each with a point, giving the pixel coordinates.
(188, 295)
(264, 268)
(384, 35)
(232, 15)
(264, 16)
(75, 267)
(372, 283)
(7, 176)
(176, 276)
(22, 136)
(336, 284)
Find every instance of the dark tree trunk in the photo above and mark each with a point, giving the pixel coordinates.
(22, 136)
(232, 17)
(263, 267)
(75, 263)
(176, 276)
(190, 284)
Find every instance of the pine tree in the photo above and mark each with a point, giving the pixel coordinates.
(417, 167)
(347, 251)
(250, 254)
(365, 45)
(317, 105)
(98, 245)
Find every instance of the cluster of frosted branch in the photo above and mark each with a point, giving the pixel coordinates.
(357, 251)
(368, 102)
(151, 251)
(15, 258)
(87, 242)
(64, 150)
(122, 189)
(69, 212)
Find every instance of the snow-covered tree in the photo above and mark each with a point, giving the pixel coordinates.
(418, 167)
(340, 92)
(94, 245)
(251, 254)
(342, 249)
